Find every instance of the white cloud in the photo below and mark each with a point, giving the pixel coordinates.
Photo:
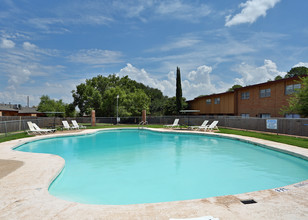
(195, 83)
(253, 75)
(5, 43)
(29, 46)
(96, 57)
(252, 10)
(140, 75)
(301, 64)
(202, 74)
(199, 82)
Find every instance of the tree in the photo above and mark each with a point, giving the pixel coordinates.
(236, 86)
(99, 93)
(278, 77)
(50, 105)
(70, 110)
(298, 102)
(178, 90)
(171, 108)
(297, 71)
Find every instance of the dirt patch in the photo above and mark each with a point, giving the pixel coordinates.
(9, 166)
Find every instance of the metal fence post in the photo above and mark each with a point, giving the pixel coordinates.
(5, 128)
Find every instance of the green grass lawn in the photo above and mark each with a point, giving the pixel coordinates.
(300, 142)
(14, 136)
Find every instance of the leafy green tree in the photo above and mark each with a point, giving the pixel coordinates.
(297, 71)
(50, 105)
(278, 77)
(171, 108)
(99, 93)
(298, 102)
(70, 110)
(178, 90)
(234, 87)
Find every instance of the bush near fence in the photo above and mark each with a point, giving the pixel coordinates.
(285, 125)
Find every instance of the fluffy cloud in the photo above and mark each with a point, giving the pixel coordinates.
(252, 75)
(167, 86)
(252, 10)
(195, 83)
(5, 43)
(28, 46)
(301, 64)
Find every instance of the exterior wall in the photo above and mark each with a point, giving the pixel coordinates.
(28, 114)
(9, 113)
(225, 107)
(231, 103)
(256, 105)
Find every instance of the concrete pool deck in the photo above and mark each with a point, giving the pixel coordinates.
(25, 178)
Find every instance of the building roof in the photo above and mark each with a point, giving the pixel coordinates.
(271, 82)
(211, 95)
(27, 110)
(5, 107)
(19, 109)
(245, 87)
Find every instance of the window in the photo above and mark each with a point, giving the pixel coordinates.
(245, 115)
(245, 95)
(217, 100)
(292, 116)
(208, 101)
(265, 115)
(292, 88)
(265, 93)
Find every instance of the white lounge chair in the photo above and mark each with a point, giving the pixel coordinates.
(34, 129)
(212, 126)
(202, 126)
(43, 130)
(66, 125)
(76, 125)
(174, 125)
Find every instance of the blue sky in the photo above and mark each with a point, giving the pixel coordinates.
(49, 47)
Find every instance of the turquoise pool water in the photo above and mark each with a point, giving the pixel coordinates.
(141, 166)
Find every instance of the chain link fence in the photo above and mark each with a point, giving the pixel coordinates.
(288, 126)
(16, 124)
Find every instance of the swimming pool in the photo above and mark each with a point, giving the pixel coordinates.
(141, 166)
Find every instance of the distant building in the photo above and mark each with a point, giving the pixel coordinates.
(262, 100)
(8, 110)
(18, 110)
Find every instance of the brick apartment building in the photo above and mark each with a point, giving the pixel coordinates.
(262, 100)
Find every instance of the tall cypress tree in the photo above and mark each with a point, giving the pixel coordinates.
(178, 90)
